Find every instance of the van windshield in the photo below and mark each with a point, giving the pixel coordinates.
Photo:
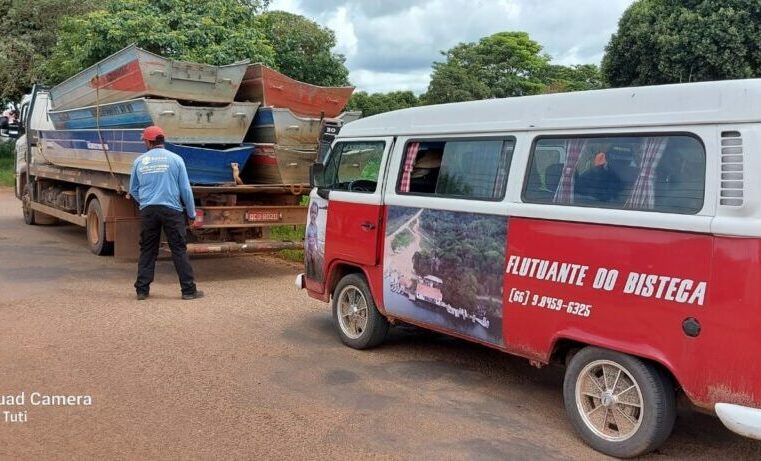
(354, 166)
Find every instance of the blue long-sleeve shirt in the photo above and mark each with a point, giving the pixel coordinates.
(159, 177)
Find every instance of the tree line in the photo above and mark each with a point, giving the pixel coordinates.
(657, 42)
(47, 41)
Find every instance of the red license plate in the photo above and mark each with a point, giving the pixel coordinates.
(263, 216)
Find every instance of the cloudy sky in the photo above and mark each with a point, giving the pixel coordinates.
(391, 44)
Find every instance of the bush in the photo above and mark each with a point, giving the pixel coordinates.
(7, 150)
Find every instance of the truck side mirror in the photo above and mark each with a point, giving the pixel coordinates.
(317, 175)
(317, 179)
(15, 131)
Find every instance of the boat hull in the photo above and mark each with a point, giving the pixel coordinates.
(272, 88)
(116, 150)
(182, 124)
(212, 166)
(133, 73)
(276, 164)
(283, 127)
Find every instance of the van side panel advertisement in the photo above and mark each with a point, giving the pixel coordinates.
(647, 292)
(442, 268)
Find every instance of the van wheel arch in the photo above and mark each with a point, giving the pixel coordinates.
(564, 349)
(338, 272)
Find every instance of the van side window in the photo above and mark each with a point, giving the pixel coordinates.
(354, 166)
(648, 172)
(475, 169)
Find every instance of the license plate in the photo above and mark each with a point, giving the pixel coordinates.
(263, 216)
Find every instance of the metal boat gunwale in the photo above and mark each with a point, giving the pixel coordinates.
(228, 125)
(61, 94)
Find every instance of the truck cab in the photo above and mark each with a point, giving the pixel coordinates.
(34, 118)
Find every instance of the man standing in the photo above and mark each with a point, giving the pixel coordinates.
(160, 185)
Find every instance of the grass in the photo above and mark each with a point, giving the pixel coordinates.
(292, 233)
(7, 150)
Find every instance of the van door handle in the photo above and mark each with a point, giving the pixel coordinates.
(367, 225)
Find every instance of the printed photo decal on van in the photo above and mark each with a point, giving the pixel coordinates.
(314, 254)
(445, 268)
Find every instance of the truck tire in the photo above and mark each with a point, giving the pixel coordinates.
(33, 217)
(96, 229)
(357, 320)
(620, 405)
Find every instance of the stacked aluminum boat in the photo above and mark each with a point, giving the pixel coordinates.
(209, 114)
(288, 126)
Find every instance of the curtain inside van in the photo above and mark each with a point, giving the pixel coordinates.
(643, 192)
(409, 164)
(573, 150)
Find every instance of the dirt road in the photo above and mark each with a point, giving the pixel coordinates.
(255, 371)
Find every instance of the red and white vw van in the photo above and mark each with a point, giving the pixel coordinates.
(616, 231)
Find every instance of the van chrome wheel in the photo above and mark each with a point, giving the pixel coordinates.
(609, 400)
(352, 312)
(355, 316)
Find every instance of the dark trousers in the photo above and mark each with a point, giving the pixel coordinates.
(155, 218)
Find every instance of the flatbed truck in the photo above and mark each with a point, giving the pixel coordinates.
(231, 218)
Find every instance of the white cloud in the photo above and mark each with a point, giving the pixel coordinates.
(391, 44)
(383, 82)
(346, 39)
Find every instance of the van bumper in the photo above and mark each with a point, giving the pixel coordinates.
(745, 421)
(300, 281)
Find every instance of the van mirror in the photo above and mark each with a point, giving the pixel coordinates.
(317, 175)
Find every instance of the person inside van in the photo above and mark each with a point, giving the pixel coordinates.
(425, 173)
(598, 183)
(622, 164)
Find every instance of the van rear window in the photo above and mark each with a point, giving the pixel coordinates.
(470, 169)
(648, 172)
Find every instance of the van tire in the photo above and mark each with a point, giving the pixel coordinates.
(357, 320)
(95, 228)
(638, 430)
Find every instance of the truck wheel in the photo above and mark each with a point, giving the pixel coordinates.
(32, 217)
(96, 229)
(356, 318)
(619, 404)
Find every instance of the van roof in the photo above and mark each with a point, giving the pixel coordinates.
(728, 101)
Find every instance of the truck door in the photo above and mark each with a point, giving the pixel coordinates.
(345, 214)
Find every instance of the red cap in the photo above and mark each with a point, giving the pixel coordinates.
(152, 132)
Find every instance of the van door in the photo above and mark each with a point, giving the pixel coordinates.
(345, 215)
(446, 233)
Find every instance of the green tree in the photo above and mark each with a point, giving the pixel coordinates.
(303, 49)
(376, 103)
(500, 65)
(211, 31)
(672, 41)
(582, 77)
(29, 34)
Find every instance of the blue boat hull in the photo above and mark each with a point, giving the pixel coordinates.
(115, 150)
(212, 166)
